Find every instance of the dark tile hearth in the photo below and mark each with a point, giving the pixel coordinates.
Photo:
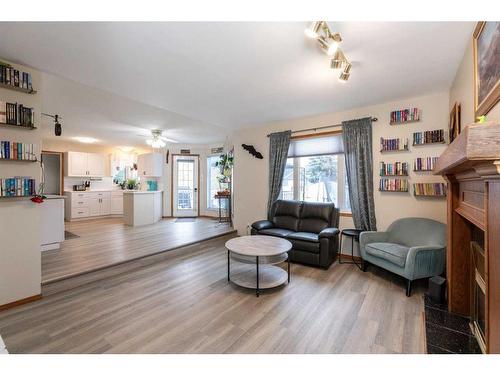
(447, 333)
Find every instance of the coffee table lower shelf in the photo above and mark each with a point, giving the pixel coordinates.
(264, 274)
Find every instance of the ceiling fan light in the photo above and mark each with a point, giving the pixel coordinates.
(313, 30)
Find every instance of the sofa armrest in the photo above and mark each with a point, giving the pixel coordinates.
(262, 224)
(425, 261)
(328, 233)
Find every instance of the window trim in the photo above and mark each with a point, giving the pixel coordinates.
(208, 197)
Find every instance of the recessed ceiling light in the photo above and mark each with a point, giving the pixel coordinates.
(126, 148)
(85, 139)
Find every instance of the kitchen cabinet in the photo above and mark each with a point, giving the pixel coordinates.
(117, 203)
(84, 164)
(150, 165)
(142, 207)
(86, 204)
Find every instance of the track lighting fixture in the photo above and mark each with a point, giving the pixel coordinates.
(313, 30)
(344, 76)
(329, 43)
(337, 60)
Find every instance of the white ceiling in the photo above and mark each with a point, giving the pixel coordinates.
(200, 80)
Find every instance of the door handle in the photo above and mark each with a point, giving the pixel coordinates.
(195, 189)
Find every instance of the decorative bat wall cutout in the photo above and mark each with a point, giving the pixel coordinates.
(252, 151)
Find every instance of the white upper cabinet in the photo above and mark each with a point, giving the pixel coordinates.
(83, 164)
(150, 165)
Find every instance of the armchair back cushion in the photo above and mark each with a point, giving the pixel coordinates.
(286, 214)
(315, 217)
(413, 231)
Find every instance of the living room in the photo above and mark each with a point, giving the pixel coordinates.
(317, 189)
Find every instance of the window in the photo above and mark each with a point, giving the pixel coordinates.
(212, 183)
(315, 171)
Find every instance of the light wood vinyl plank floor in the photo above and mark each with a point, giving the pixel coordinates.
(184, 304)
(107, 241)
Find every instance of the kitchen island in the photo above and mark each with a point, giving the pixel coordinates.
(142, 207)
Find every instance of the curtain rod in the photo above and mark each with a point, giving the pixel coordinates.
(374, 119)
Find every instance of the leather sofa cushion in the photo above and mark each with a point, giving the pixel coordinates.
(303, 236)
(277, 232)
(286, 214)
(315, 217)
(390, 252)
(306, 246)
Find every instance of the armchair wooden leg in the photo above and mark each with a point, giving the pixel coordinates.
(408, 288)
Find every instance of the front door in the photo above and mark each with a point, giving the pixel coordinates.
(185, 186)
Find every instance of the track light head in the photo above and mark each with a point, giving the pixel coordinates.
(313, 30)
(344, 76)
(337, 60)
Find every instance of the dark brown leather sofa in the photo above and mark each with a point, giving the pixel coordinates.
(312, 228)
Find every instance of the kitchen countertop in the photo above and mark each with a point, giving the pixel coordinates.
(141, 191)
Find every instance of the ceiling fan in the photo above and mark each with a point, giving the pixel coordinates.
(157, 140)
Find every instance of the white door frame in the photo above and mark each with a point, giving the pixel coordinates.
(196, 158)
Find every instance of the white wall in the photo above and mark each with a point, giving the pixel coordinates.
(251, 175)
(20, 260)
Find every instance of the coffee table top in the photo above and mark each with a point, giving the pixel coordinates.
(258, 245)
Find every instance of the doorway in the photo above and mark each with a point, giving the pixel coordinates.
(53, 173)
(185, 185)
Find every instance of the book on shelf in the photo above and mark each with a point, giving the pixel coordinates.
(429, 189)
(425, 164)
(17, 187)
(394, 169)
(16, 114)
(393, 144)
(405, 115)
(393, 184)
(17, 151)
(16, 78)
(429, 136)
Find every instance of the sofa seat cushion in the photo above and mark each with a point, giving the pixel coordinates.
(277, 232)
(391, 252)
(303, 236)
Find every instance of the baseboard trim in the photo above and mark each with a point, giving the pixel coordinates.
(348, 257)
(20, 302)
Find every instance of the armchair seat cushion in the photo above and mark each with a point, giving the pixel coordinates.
(277, 232)
(303, 236)
(391, 252)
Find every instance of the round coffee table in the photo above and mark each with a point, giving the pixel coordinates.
(263, 251)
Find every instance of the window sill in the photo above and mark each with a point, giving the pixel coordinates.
(346, 213)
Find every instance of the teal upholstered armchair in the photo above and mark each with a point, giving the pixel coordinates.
(413, 247)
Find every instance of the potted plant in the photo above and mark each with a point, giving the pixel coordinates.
(225, 165)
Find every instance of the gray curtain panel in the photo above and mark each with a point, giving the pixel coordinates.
(357, 137)
(278, 151)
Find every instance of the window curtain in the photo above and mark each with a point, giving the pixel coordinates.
(357, 138)
(278, 151)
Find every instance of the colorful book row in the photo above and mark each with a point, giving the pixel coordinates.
(394, 144)
(17, 187)
(429, 136)
(393, 184)
(16, 114)
(16, 78)
(17, 151)
(405, 115)
(394, 169)
(424, 164)
(429, 189)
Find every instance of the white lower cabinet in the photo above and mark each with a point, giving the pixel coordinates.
(117, 203)
(87, 204)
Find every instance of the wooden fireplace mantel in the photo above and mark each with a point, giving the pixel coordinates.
(471, 166)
